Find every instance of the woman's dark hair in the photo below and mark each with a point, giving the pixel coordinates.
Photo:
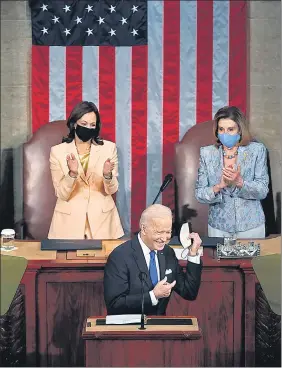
(78, 111)
(236, 115)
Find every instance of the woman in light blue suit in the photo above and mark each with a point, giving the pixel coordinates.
(233, 178)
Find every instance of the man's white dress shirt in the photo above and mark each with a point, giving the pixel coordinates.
(146, 251)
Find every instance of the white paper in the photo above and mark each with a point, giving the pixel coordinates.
(123, 319)
(184, 236)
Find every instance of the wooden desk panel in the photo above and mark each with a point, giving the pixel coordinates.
(144, 353)
(67, 296)
(157, 346)
(59, 294)
(155, 349)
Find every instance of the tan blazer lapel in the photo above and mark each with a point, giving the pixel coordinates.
(72, 149)
(93, 159)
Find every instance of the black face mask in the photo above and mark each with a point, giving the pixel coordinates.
(85, 134)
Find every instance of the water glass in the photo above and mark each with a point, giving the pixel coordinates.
(8, 239)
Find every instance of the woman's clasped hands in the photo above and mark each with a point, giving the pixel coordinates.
(232, 176)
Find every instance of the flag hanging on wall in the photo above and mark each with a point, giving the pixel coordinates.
(154, 69)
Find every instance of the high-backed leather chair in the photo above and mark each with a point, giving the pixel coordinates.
(187, 154)
(39, 197)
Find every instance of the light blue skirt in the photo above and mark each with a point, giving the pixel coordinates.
(255, 233)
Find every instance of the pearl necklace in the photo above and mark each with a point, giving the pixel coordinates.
(225, 154)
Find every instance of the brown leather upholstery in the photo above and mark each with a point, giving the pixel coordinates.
(187, 154)
(39, 196)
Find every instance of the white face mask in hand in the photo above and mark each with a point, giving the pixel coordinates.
(185, 240)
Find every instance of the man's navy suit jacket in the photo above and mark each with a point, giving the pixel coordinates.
(122, 281)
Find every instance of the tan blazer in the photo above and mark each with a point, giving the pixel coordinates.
(88, 194)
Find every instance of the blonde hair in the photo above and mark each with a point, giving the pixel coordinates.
(154, 211)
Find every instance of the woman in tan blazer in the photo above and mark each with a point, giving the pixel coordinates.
(84, 172)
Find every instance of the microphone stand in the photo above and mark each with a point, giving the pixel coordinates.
(162, 188)
(155, 200)
(165, 183)
(142, 326)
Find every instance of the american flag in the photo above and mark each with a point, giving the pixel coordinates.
(154, 69)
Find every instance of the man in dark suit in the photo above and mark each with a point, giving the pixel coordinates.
(148, 257)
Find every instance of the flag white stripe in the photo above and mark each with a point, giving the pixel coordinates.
(90, 74)
(188, 37)
(123, 132)
(220, 54)
(57, 83)
(155, 100)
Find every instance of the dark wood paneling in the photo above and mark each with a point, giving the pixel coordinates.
(218, 308)
(144, 353)
(66, 299)
(59, 295)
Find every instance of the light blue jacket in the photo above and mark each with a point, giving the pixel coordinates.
(234, 209)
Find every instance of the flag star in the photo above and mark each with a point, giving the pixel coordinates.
(134, 32)
(44, 7)
(112, 9)
(78, 20)
(123, 20)
(67, 31)
(66, 8)
(100, 20)
(89, 31)
(89, 8)
(134, 8)
(44, 30)
(55, 19)
(112, 32)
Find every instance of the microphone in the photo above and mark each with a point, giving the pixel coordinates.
(142, 276)
(168, 178)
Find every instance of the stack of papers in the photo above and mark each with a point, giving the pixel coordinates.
(123, 319)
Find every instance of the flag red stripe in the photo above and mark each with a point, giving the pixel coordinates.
(171, 90)
(139, 133)
(238, 54)
(204, 60)
(73, 77)
(40, 86)
(107, 92)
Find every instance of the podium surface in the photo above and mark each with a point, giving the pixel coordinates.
(156, 346)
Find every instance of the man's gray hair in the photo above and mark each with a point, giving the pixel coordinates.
(154, 211)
